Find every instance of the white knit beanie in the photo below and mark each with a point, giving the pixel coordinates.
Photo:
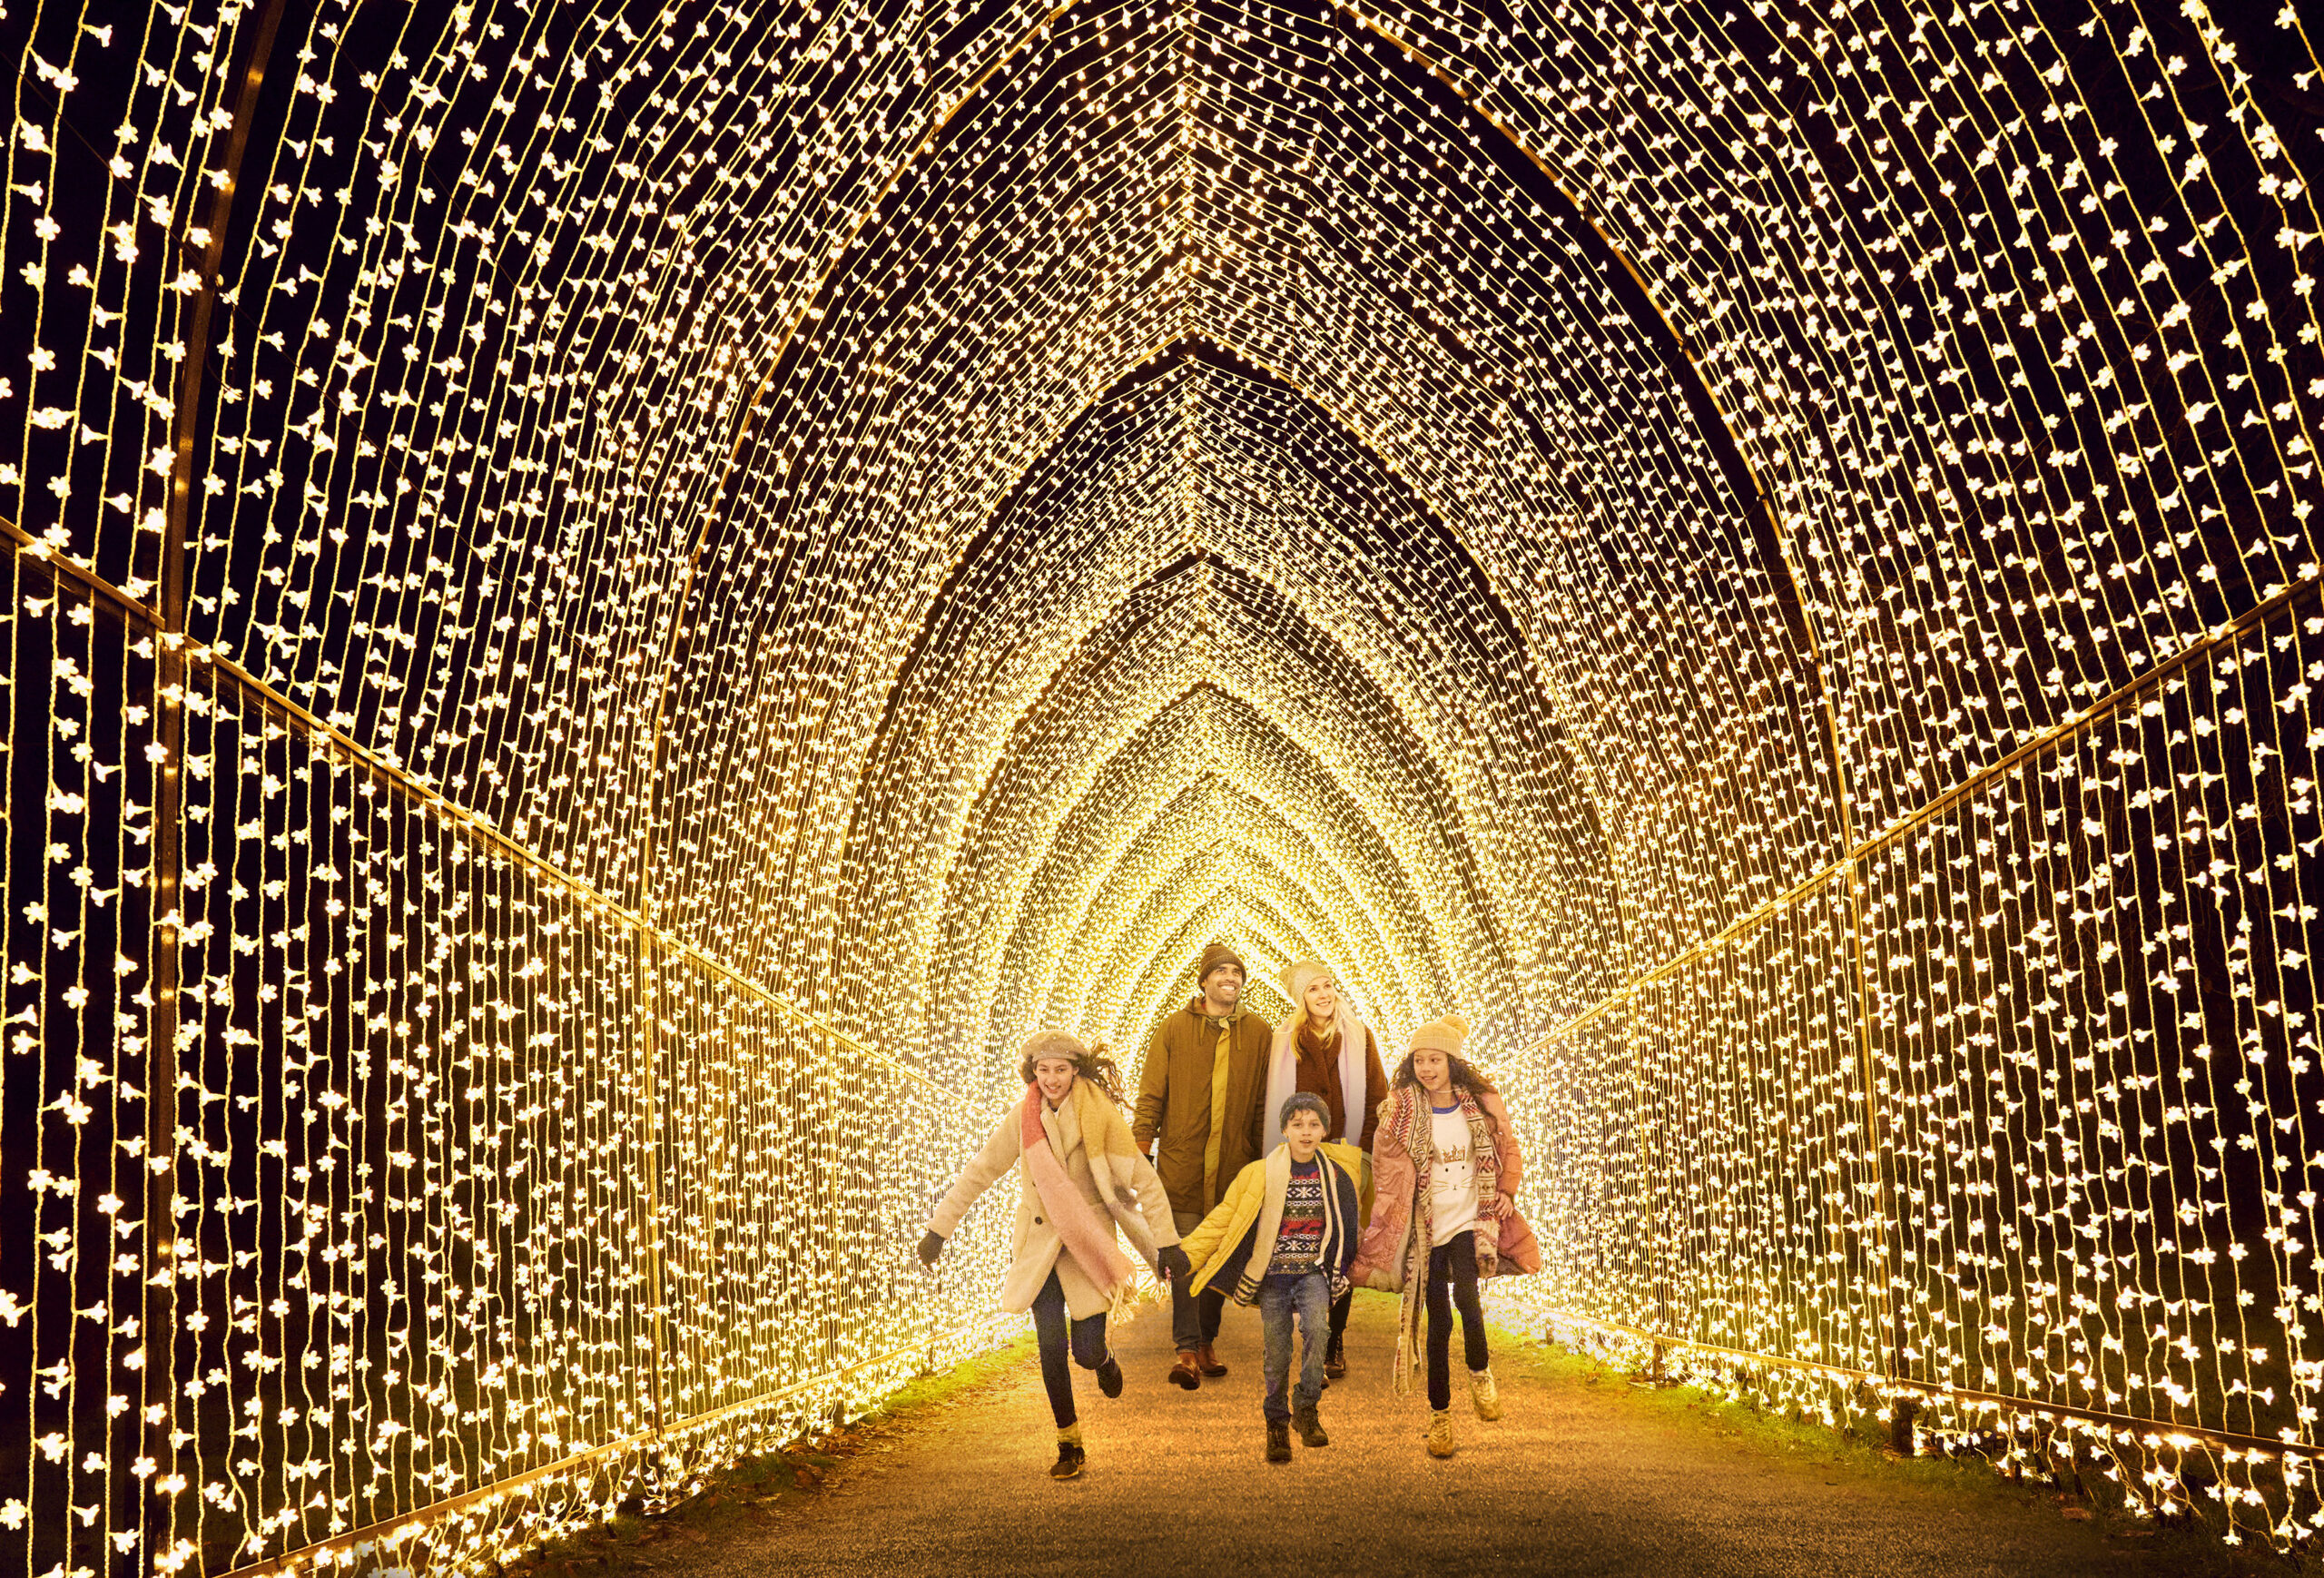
(1297, 978)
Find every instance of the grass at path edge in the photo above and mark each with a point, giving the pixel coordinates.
(1860, 1458)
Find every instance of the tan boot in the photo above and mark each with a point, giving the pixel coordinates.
(1209, 1361)
(1186, 1373)
(1484, 1394)
(1440, 1433)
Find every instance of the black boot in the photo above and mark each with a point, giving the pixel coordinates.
(1310, 1428)
(1335, 1357)
(1278, 1441)
(1110, 1377)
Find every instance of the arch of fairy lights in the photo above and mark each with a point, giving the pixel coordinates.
(609, 603)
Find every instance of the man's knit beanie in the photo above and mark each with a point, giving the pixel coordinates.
(1443, 1035)
(1213, 957)
(1305, 1101)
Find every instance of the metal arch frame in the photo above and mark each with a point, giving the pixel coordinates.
(1259, 573)
(1406, 866)
(1435, 511)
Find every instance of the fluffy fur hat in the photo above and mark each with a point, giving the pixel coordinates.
(1213, 957)
(1446, 1035)
(1051, 1044)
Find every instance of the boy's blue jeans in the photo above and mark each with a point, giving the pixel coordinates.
(1309, 1296)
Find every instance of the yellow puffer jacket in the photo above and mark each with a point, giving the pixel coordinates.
(1234, 1244)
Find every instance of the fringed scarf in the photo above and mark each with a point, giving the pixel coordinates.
(1085, 1235)
(1410, 1123)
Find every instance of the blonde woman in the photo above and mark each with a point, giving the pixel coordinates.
(1325, 1051)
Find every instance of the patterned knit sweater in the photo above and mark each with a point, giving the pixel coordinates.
(1299, 1245)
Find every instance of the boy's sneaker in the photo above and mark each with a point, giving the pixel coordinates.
(1485, 1395)
(1440, 1433)
(1310, 1428)
(1278, 1441)
(1110, 1377)
(1070, 1458)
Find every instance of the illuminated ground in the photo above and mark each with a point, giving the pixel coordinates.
(1580, 1478)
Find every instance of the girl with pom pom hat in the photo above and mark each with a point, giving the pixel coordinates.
(1446, 1168)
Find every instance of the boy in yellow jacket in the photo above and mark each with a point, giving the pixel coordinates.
(1282, 1238)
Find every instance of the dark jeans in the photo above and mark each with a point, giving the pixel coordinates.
(1308, 1296)
(1452, 1280)
(1194, 1317)
(1088, 1341)
(1194, 1320)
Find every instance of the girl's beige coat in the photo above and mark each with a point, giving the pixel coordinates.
(1137, 1198)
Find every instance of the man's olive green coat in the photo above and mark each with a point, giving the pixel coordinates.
(1173, 1103)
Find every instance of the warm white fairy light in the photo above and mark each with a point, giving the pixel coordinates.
(732, 569)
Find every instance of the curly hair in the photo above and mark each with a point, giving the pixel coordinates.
(1464, 1074)
(1095, 1064)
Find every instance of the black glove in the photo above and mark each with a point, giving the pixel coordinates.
(929, 1248)
(1173, 1264)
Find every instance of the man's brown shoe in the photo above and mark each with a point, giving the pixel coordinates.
(1209, 1362)
(1186, 1372)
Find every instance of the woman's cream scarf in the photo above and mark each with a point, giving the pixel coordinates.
(1283, 1072)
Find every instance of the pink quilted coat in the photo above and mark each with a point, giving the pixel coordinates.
(1382, 1258)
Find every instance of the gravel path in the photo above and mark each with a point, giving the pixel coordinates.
(1578, 1479)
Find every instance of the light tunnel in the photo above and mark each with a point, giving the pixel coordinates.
(610, 603)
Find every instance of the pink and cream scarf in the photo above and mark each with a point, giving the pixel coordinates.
(1088, 1237)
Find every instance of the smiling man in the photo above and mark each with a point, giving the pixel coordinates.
(1199, 1108)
